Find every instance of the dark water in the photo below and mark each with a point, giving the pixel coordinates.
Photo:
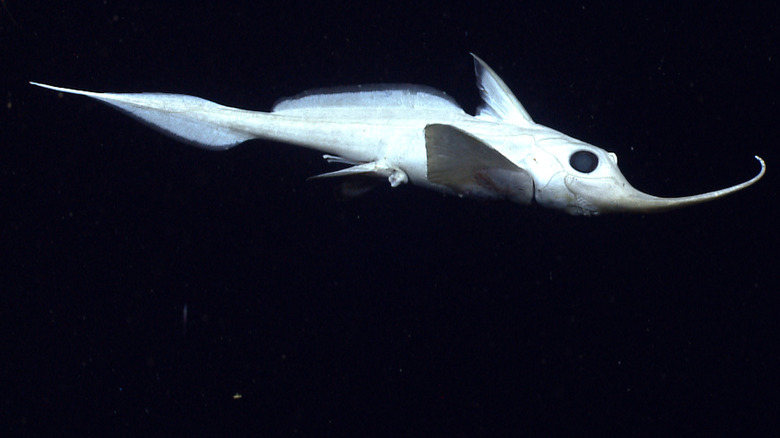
(403, 312)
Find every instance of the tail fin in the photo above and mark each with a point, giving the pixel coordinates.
(188, 118)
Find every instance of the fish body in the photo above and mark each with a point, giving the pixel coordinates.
(416, 134)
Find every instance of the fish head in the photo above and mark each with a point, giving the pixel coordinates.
(583, 179)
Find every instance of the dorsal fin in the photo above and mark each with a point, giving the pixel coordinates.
(369, 96)
(499, 101)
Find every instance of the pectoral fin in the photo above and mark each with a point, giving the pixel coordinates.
(469, 167)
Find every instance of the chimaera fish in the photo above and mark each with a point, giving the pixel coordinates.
(414, 133)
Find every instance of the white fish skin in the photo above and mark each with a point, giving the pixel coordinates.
(409, 133)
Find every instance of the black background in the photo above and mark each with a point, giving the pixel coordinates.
(403, 312)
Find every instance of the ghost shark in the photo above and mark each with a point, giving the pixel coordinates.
(417, 134)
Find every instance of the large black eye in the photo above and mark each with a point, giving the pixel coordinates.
(584, 161)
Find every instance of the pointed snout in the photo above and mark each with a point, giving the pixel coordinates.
(596, 198)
